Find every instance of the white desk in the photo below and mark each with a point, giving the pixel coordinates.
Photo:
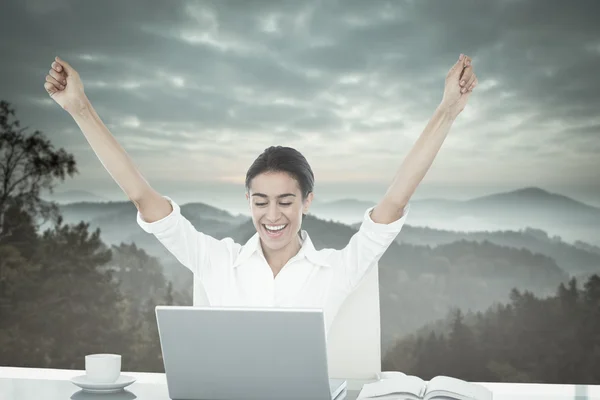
(54, 384)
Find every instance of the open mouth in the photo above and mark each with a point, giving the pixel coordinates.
(275, 231)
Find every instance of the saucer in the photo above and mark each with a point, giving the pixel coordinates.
(123, 394)
(122, 382)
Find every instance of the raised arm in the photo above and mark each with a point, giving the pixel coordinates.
(64, 85)
(382, 224)
(460, 82)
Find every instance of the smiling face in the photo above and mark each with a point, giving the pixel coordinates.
(277, 207)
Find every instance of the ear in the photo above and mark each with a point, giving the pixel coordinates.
(307, 203)
(247, 196)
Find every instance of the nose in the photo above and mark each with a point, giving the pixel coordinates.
(273, 213)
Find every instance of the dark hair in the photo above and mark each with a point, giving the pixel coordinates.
(283, 159)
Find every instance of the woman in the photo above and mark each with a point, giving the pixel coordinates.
(278, 266)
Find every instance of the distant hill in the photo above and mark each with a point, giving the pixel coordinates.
(117, 220)
(73, 196)
(528, 207)
(423, 274)
(341, 206)
(587, 247)
(575, 259)
(532, 197)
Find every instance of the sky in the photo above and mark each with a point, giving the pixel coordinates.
(196, 90)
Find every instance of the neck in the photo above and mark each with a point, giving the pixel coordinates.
(278, 258)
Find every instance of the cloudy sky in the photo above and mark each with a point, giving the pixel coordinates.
(195, 90)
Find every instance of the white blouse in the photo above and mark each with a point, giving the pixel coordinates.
(239, 275)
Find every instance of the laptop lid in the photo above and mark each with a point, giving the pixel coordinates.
(243, 353)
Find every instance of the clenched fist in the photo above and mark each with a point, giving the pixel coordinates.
(460, 82)
(64, 85)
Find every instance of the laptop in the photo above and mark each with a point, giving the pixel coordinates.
(228, 353)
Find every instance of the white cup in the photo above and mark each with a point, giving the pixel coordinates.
(103, 368)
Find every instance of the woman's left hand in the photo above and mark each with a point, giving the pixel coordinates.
(460, 82)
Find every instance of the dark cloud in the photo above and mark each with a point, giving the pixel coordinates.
(216, 79)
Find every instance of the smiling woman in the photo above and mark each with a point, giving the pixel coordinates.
(280, 183)
(278, 266)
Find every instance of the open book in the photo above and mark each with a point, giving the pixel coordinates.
(406, 387)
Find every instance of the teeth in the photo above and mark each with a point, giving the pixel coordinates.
(275, 227)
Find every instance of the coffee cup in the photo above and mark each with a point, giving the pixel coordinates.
(103, 368)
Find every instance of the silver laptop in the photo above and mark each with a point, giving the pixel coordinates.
(223, 353)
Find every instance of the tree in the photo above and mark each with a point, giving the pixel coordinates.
(64, 293)
(143, 286)
(16, 278)
(139, 275)
(19, 223)
(28, 164)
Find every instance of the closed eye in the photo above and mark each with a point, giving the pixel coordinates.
(264, 204)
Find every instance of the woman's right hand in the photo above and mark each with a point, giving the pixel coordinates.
(64, 85)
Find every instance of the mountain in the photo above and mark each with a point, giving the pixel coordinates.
(530, 207)
(587, 247)
(537, 205)
(347, 211)
(117, 220)
(423, 274)
(73, 196)
(576, 259)
(532, 197)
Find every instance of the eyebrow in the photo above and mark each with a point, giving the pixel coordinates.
(279, 197)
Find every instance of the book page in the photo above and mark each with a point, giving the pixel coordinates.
(445, 386)
(407, 385)
(390, 375)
